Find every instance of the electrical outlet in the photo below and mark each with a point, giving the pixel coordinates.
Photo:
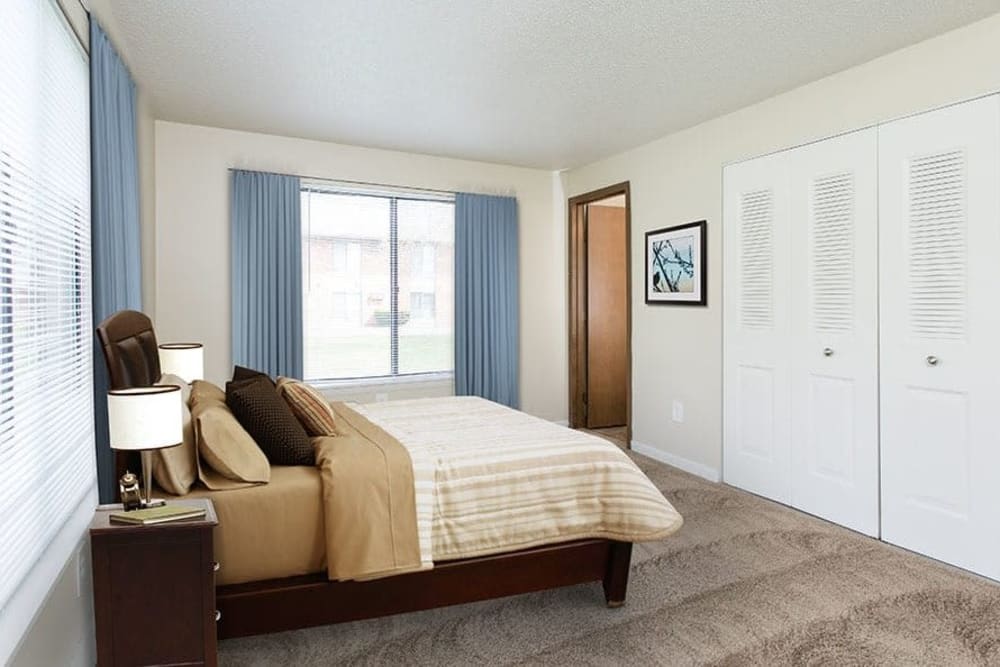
(678, 412)
(380, 397)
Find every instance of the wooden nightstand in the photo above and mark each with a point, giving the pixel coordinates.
(154, 590)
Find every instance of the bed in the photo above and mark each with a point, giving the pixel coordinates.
(293, 588)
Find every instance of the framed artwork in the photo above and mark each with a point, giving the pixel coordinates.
(676, 265)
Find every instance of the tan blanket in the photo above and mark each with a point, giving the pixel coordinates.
(369, 502)
(489, 479)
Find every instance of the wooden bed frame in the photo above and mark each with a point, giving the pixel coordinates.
(130, 349)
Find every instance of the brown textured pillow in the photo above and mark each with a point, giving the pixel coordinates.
(231, 456)
(309, 407)
(241, 373)
(176, 468)
(270, 422)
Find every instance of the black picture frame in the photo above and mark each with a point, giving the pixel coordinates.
(698, 258)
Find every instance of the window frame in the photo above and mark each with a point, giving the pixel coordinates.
(394, 195)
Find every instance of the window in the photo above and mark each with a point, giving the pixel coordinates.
(347, 308)
(422, 305)
(46, 339)
(424, 260)
(346, 257)
(379, 281)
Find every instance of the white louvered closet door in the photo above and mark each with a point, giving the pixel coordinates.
(940, 333)
(834, 322)
(756, 390)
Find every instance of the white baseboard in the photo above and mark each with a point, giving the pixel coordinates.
(699, 469)
(561, 422)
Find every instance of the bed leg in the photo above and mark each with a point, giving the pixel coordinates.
(616, 575)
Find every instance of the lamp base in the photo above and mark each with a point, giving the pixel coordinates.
(147, 499)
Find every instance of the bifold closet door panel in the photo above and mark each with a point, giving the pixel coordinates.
(756, 329)
(834, 320)
(940, 333)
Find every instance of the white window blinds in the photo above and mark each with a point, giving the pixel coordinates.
(46, 351)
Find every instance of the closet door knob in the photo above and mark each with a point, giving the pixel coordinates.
(827, 351)
(932, 360)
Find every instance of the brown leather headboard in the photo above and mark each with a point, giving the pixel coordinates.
(130, 349)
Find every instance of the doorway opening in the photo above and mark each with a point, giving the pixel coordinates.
(600, 313)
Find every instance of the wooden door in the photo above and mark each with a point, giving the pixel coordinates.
(756, 419)
(834, 327)
(939, 229)
(607, 317)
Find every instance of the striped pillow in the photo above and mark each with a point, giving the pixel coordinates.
(309, 407)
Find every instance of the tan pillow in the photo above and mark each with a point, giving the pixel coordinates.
(230, 456)
(176, 468)
(202, 391)
(309, 407)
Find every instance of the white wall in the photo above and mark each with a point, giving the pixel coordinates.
(62, 633)
(678, 350)
(192, 279)
(77, 18)
(60, 630)
(145, 129)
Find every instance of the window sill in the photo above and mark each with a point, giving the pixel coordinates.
(384, 381)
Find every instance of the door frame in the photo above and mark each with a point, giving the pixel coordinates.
(577, 295)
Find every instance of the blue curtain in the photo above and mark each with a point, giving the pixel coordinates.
(266, 220)
(486, 298)
(114, 215)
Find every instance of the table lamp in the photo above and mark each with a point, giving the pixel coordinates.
(185, 360)
(143, 419)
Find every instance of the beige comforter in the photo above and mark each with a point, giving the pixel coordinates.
(489, 479)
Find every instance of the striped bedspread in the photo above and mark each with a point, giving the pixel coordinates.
(490, 479)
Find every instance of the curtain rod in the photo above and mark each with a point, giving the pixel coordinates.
(349, 182)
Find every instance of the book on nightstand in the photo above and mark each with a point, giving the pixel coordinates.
(153, 515)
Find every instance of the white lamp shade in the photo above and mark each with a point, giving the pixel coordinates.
(185, 360)
(145, 417)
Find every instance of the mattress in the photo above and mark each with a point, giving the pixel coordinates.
(269, 531)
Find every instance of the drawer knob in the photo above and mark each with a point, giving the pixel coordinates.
(932, 360)
(215, 566)
(218, 615)
(827, 351)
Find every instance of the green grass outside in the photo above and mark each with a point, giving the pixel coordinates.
(328, 357)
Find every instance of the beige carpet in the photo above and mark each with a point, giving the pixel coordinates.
(744, 582)
(616, 434)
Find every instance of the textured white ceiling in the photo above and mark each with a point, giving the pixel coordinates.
(552, 84)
